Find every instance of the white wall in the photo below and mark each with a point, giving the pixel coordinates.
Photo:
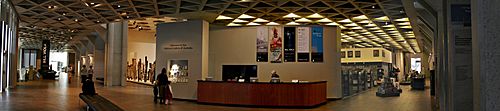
(195, 35)
(237, 46)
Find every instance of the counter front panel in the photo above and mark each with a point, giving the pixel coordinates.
(262, 94)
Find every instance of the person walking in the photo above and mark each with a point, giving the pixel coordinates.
(162, 82)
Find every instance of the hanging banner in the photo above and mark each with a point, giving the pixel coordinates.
(275, 34)
(289, 45)
(262, 41)
(45, 54)
(317, 44)
(303, 40)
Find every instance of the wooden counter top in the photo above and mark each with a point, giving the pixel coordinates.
(286, 94)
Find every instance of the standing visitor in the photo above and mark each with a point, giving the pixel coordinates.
(164, 87)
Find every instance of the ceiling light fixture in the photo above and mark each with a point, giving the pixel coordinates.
(361, 17)
(292, 23)
(76, 20)
(239, 21)
(272, 23)
(291, 15)
(119, 6)
(245, 16)
(233, 24)
(402, 20)
(324, 20)
(315, 15)
(303, 20)
(252, 24)
(222, 17)
(345, 21)
(333, 23)
(260, 20)
(383, 18)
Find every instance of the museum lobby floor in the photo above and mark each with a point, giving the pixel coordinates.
(47, 95)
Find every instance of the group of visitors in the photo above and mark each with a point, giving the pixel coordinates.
(162, 89)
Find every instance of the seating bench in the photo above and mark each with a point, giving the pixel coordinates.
(99, 103)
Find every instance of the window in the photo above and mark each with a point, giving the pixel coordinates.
(357, 54)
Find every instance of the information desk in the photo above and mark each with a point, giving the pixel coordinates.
(262, 93)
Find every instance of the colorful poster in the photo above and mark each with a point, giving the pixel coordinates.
(262, 41)
(276, 45)
(303, 41)
(317, 44)
(289, 44)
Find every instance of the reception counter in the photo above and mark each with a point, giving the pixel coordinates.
(262, 93)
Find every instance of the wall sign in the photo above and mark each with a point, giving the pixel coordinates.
(289, 45)
(317, 44)
(276, 45)
(180, 46)
(303, 42)
(262, 41)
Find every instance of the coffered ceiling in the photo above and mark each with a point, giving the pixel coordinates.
(364, 23)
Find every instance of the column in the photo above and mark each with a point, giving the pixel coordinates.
(486, 56)
(116, 54)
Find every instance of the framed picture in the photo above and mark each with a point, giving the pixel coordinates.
(342, 54)
(357, 54)
(383, 53)
(349, 54)
(376, 53)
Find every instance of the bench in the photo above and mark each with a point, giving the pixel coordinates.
(99, 103)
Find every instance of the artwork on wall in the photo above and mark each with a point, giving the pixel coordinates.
(383, 53)
(317, 44)
(178, 71)
(349, 54)
(357, 54)
(262, 41)
(303, 41)
(342, 54)
(289, 44)
(276, 44)
(376, 53)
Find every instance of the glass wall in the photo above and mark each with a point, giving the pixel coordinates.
(8, 58)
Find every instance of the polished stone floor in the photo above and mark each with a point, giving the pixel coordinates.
(50, 95)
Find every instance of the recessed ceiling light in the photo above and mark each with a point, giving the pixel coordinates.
(383, 18)
(233, 24)
(315, 15)
(63, 13)
(303, 20)
(333, 23)
(324, 20)
(345, 21)
(245, 16)
(402, 20)
(272, 23)
(361, 17)
(405, 27)
(351, 25)
(292, 23)
(239, 21)
(222, 17)
(252, 24)
(76, 20)
(92, 3)
(370, 25)
(291, 15)
(404, 23)
(260, 20)
(98, 21)
(365, 21)
(119, 6)
(388, 26)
